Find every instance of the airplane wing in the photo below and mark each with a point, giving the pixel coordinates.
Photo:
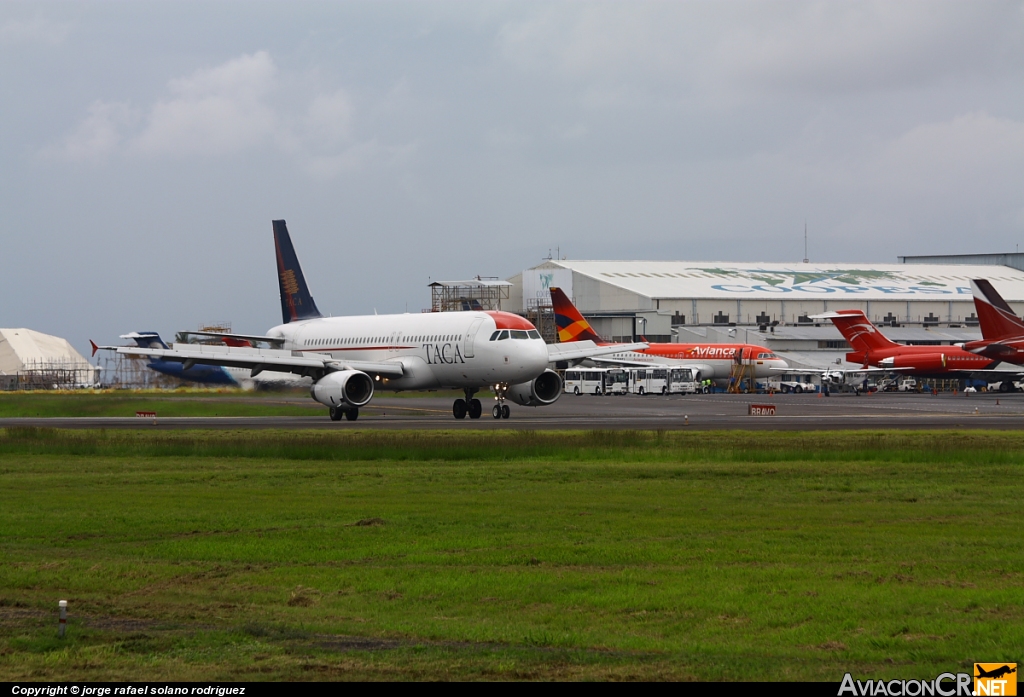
(274, 341)
(258, 360)
(578, 350)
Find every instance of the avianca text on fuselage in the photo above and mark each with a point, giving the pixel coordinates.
(711, 360)
(715, 361)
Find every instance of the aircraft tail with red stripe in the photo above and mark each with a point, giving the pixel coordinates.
(862, 336)
(998, 320)
(571, 325)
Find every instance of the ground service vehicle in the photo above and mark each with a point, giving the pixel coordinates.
(585, 380)
(682, 381)
(648, 380)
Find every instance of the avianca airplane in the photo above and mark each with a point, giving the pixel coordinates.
(349, 357)
(714, 361)
(870, 347)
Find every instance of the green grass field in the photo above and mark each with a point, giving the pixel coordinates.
(604, 555)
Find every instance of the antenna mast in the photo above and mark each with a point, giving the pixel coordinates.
(806, 260)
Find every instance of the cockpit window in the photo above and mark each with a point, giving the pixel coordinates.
(494, 336)
(534, 334)
(503, 335)
(519, 334)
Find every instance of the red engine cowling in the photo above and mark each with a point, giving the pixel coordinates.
(921, 361)
(343, 388)
(539, 392)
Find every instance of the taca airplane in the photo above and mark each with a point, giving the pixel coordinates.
(711, 361)
(348, 357)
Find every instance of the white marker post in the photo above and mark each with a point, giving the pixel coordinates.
(63, 617)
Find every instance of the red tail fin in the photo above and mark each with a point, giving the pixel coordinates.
(571, 325)
(997, 318)
(859, 332)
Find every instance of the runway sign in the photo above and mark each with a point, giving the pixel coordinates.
(761, 410)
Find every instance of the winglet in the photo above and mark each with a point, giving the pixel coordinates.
(95, 348)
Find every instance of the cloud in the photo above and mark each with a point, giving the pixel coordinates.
(96, 137)
(812, 46)
(974, 156)
(33, 31)
(241, 105)
(214, 111)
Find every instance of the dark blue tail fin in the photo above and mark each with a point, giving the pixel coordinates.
(296, 302)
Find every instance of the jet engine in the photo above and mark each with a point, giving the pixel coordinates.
(541, 391)
(343, 388)
(922, 361)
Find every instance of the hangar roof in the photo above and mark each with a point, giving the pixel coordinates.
(798, 281)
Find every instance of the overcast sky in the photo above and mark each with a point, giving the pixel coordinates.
(147, 146)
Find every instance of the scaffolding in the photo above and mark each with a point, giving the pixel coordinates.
(216, 328)
(542, 314)
(50, 374)
(480, 293)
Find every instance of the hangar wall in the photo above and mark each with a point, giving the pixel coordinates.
(710, 293)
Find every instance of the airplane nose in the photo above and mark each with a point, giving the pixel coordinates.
(781, 363)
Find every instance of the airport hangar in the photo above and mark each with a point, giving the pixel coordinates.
(770, 304)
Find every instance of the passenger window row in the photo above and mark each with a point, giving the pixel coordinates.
(381, 339)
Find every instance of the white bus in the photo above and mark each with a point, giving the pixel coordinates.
(648, 380)
(682, 381)
(585, 380)
(596, 381)
(616, 381)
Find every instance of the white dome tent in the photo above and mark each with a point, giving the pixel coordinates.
(33, 360)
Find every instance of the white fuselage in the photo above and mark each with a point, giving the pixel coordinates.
(711, 364)
(436, 350)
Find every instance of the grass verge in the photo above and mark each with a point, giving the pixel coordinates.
(603, 555)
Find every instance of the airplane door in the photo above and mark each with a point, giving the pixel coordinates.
(467, 348)
(393, 342)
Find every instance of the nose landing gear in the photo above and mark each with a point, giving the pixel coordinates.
(500, 410)
(469, 406)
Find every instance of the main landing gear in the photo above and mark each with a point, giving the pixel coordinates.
(500, 410)
(350, 414)
(469, 405)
